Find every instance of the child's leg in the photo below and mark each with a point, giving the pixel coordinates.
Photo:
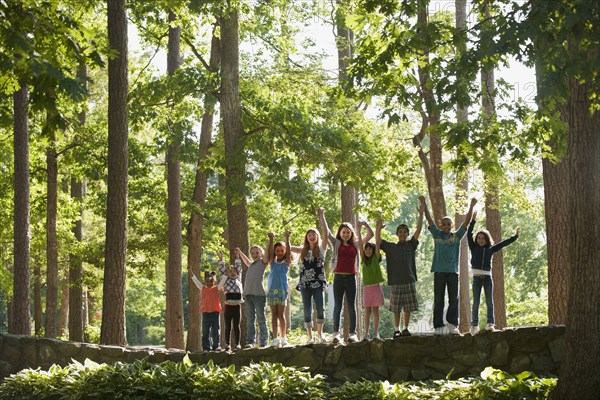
(215, 330)
(452, 313)
(368, 311)
(375, 320)
(318, 298)
(236, 316)
(206, 331)
(477, 284)
(338, 300)
(307, 306)
(439, 291)
(351, 296)
(406, 319)
(282, 321)
(488, 287)
(397, 322)
(274, 319)
(228, 320)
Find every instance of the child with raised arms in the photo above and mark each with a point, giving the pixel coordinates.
(280, 258)
(210, 307)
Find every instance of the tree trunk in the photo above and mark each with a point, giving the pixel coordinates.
(37, 297)
(63, 320)
(113, 295)
(76, 326)
(430, 118)
(582, 352)
(235, 159)
(174, 308)
(462, 188)
(51, 234)
(20, 312)
(196, 224)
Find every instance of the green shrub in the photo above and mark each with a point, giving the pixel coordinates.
(185, 380)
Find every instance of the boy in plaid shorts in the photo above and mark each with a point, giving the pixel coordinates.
(401, 272)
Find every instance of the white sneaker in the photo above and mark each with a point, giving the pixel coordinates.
(275, 343)
(284, 341)
(376, 336)
(474, 330)
(335, 338)
(352, 338)
(440, 331)
(321, 339)
(491, 328)
(453, 329)
(310, 341)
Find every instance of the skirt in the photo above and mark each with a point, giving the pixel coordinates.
(373, 295)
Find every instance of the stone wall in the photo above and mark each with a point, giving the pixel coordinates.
(408, 358)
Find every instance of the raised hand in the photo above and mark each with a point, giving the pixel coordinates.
(518, 233)
(271, 235)
(287, 233)
(379, 224)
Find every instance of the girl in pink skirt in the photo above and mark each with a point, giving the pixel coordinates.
(372, 291)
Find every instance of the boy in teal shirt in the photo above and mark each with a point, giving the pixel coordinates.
(445, 267)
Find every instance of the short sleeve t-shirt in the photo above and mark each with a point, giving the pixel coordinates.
(255, 277)
(400, 261)
(447, 249)
(371, 271)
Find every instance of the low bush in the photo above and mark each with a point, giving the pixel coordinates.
(185, 380)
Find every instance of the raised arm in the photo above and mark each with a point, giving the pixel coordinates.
(426, 211)
(361, 247)
(469, 215)
(470, 239)
(378, 227)
(270, 249)
(324, 229)
(327, 233)
(239, 253)
(369, 232)
(194, 279)
(417, 233)
(288, 251)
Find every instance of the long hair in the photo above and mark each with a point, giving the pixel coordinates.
(489, 242)
(349, 226)
(306, 245)
(282, 244)
(372, 246)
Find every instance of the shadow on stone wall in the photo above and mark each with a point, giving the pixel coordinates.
(407, 358)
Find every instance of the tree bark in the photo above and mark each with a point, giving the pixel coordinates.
(231, 118)
(63, 320)
(21, 324)
(196, 224)
(113, 298)
(174, 307)
(37, 297)
(462, 188)
(51, 234)
(582, 352)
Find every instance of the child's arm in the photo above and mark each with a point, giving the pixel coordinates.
(324, 227)
(469, 215)
(222, 282)
(222, 266)
(378, 227)
(328, 233)
(288, 251)
(239, 253)
(196, 281)
(470, 229)
(369, 232)
(270, 249)
(426, 211)
(506, 242)
(361, 247)
(419, 223)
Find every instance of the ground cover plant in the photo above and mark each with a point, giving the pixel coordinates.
(186, 380)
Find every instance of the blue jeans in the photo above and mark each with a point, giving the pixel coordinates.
(488, 286)
(210, 330)
(441, 281)
(255, 311)
(344, 284)
(308, 295)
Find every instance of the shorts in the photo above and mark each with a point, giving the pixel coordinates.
(277, 301)
(403, 298)
(373, 295)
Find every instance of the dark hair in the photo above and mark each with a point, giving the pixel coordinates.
(371, 245)
(306, 245)
(402, 226)
(209, 274)
(345, 225)
(279, 244)
(489, 242)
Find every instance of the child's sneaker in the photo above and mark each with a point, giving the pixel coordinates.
(406, 333)
(335, 338)
(310, 341)
(275, 342)
(491, 328)
(440, 330)
(474, 330)
(218, 348)
(284, 341)
(365, 337)
(397, 334)
(376, 336)
(352, 338)
(453, 329)
(249, 345)
(321, 339)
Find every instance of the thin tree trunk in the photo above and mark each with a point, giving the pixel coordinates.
(51, 235)
(462, 188)
(37, 297)
(174, 308)
(113, 297)
(231, 118)
(63, 320)
(76, 326)
(20, 312)
(196, 225)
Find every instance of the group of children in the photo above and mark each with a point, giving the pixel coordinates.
(349, 248)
